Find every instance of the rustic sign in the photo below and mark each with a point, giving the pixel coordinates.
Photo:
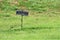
(23, 13)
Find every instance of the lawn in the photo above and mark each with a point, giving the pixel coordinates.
(42, 23)
(35, 27)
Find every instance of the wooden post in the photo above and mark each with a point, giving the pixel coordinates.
(21, 22)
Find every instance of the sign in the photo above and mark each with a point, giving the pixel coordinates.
(23, 13)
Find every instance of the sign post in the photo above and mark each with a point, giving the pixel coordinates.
(21, 22)
(22, 13)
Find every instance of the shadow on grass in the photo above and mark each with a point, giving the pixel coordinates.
(39, 28)
(32, 29)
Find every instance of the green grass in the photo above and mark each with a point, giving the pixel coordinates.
(35, 27)
(43, 34)
(41, 25)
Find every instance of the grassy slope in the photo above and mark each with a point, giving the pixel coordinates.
(37, 26)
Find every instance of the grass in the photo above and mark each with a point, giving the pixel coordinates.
(35, 27)
(43, 34)
(41, 25)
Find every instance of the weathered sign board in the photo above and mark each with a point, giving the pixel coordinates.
(23, 13)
